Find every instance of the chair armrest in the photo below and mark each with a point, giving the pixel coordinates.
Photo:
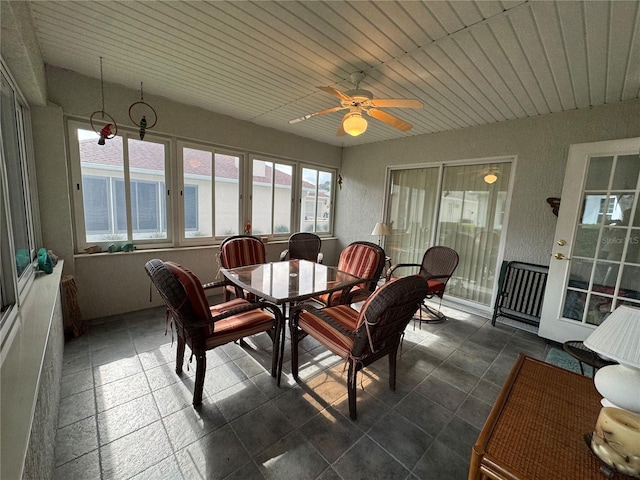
(399, 265)
(284, 254)
(216, 284)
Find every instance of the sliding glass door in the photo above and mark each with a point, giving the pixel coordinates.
(459, 206)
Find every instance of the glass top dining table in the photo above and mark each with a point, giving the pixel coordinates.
(290, 281)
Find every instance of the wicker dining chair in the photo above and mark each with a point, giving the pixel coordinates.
(240, 251)
(303, 246)
(364, 260)
(202, 326)
(361, 338)
(437, 267)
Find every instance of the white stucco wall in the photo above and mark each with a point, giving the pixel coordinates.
(540, 144)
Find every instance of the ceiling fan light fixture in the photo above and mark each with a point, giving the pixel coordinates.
(490, 178)
(354, 124)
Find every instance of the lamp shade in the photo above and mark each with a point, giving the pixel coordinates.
(380, 229)
(354, 124)
(618, 337)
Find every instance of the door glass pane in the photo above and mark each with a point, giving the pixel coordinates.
(599, 173)
(470, 222)
(412, 209)
(630, 282)
(197, 172)
(102, 172)
(147, 176)
(227, 188)
(626, 173)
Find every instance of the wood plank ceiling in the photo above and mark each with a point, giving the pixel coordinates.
(470, 62)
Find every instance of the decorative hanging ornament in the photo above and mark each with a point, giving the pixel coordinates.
(140, 110)
(110, 128)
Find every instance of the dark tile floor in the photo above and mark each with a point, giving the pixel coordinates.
(124, 413)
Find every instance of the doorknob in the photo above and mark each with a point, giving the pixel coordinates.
(560, 256)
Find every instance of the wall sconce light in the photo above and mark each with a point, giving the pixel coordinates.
(490, 178)
(354, 124)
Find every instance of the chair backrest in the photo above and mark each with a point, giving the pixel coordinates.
(172, 291)
(242, 250)
(363, 259)
(387, 312)
(439, 262)
(304, 246)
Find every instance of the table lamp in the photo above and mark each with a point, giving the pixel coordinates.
(381, 230)
(616, 439)
(618, 338)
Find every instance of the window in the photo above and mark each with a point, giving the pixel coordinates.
(17, 229)
(271, 197)
(210, 193)
(123, 189)
(316, 196)
(123, 192)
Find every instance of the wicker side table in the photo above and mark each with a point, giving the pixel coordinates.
(536, 428)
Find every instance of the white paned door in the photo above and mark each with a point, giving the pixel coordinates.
(595, 261)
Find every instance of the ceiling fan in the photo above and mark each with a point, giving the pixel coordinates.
(358, 101)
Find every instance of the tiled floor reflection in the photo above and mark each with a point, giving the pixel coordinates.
(124, 412)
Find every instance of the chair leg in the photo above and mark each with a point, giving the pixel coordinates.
(180, 355)
(294, 352)
(201, 368)
(393, 360)
(351, 391)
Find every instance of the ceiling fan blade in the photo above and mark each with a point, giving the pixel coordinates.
(341, 132)
(321, 112)
(395, 122)
(396, 103)
(336, 93)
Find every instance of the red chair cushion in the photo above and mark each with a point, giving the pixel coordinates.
(194, 289)
(239, 325)
(435, 287)
(359, 260)
(329, 336)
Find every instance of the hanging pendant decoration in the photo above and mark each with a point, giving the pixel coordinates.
(141, 110)
(109, 126)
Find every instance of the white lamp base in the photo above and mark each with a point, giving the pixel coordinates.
(620, 387)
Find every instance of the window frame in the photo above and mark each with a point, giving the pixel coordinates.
(80, 230)
(180, 182)
(295, 194)
(13, 287)
(301, 198)
(175, 182)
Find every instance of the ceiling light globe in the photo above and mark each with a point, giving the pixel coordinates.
(490, 178)
(355, 125)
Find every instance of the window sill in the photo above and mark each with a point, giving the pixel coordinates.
(21, 371)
